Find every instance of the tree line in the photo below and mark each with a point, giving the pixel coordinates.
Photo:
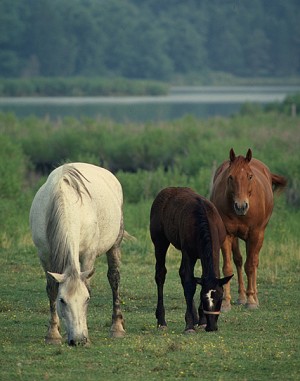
(149, 39)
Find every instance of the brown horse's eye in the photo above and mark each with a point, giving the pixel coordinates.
(250, 176)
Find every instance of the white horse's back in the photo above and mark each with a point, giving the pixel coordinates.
(89, 210)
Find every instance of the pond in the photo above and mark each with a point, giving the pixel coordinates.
(200, 101)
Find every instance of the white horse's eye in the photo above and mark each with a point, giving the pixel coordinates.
(62, 301)
(88, 299)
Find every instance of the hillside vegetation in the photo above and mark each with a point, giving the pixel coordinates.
(145, 157)
(161, 40)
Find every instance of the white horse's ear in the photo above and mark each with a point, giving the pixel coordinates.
(87, 274)
(59, 278)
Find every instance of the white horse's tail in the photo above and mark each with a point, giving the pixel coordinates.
(128, 237)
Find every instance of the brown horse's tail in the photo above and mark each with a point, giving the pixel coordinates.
(278, 183)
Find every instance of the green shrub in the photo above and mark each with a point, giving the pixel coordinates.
(12, 168)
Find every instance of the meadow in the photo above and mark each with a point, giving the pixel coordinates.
(249, 345)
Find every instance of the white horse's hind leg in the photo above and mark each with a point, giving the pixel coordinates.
(53, 336)
(113, 274)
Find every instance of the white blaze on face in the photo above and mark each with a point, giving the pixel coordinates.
(209, 298)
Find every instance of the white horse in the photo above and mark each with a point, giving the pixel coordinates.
(75, 216)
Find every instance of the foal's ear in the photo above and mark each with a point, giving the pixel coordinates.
(59, 278)
(249, 155)
(199, 281)
(232, 155)
(224, 280)
(87, 274)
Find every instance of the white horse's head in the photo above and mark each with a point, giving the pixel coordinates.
(72, 303)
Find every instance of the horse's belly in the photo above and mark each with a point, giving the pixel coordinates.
(99, 231)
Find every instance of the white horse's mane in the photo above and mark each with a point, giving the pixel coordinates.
(58, 239)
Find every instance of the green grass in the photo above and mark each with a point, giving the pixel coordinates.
(250, 345)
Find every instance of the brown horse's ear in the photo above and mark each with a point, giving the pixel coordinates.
(231, 155)
(224, 280)
(249, 155)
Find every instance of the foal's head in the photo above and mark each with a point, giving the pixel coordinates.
(211, 299)
(239, 182)
(72, 303)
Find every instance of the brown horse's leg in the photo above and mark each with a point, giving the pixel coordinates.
(253, 246)
(188, 282)
(238, 261)
(227, 270)
(113, 275)
(161, 247)
(53, 336)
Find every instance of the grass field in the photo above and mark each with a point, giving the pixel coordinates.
(250, 345)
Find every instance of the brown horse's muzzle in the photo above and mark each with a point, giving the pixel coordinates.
(242, 208)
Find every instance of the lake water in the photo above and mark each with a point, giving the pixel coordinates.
(200, 101)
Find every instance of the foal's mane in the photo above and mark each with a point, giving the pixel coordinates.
(56, 230)
(204, 239)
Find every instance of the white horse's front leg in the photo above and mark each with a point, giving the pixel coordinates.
(113, 274)
(53, 335)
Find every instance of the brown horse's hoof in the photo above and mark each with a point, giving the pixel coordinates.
(226, 307)
(251, 306)
(117, 334)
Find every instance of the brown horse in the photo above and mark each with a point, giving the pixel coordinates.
(243, 194)
(193, 225)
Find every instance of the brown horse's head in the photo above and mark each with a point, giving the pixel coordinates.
(239, 182)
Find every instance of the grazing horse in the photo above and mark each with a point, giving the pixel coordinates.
(75, 216)
(242, 191)
(192, 224)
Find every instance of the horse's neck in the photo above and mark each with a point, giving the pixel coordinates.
(208, 267)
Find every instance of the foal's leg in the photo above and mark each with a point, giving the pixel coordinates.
(227, 270)
(161, 246)
(238, 261)
(113, 275)
(188, 282)
(53, 336)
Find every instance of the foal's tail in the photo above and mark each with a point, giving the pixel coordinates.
(278, 182)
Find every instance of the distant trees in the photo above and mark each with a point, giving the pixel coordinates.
(149, 38)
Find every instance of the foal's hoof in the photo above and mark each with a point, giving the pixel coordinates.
(162, 328)
(189, 331)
